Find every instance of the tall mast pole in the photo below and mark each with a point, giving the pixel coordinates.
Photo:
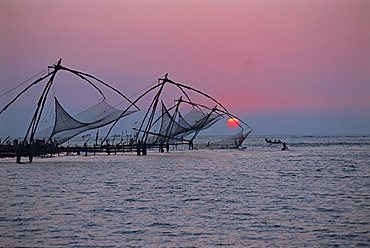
(41, 104)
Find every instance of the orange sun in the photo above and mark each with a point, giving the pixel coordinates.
(233, 123)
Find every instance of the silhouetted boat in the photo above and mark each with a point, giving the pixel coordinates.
(273, 142)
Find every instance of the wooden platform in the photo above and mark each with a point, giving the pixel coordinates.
(30, 151)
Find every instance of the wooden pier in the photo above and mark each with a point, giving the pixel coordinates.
(41, 149)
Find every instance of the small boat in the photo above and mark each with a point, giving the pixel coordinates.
(273, 141)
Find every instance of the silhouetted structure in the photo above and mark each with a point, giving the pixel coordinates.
(175, 126)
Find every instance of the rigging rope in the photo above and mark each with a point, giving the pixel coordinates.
(19, 85)
(137, 93)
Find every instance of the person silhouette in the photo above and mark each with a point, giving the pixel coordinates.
(284, 147)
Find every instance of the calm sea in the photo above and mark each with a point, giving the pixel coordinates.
(317, 194)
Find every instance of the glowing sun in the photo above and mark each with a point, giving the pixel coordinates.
(233, 123)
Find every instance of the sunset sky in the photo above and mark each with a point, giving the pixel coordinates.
(284, 66)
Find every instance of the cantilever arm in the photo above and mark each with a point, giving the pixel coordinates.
(83, 78)
(133, 103)
(195, 90)
(221, 111)
(23, 91)
(84, 75)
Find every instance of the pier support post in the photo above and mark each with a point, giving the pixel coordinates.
(144, 149)
(85, 147)
(18, 158)
(138, 148)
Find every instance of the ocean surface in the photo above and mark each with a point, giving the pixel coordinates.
(317, 194)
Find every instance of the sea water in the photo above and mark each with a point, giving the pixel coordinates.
(317, 194)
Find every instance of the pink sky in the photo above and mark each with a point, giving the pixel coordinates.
(254, 56)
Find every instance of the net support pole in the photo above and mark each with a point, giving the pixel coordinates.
(40, 106)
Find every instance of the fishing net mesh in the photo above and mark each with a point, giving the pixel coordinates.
(99, 115)
(175, 127)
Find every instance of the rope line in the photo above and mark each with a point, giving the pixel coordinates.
(19, 85)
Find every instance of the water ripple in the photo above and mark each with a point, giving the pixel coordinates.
(315, 195)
